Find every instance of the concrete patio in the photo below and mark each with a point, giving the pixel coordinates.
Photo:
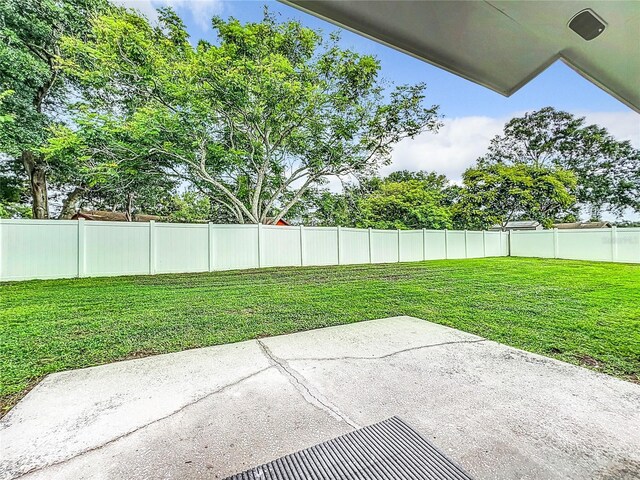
(500, 412)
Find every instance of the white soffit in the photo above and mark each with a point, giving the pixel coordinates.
(501, 44)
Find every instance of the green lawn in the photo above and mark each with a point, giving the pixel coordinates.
(581, 312)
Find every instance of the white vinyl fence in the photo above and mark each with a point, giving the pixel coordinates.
(69, 248)
(602, 244)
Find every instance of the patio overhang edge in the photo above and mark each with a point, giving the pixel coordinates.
(311, 7)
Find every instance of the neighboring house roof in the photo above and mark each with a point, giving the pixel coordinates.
(281, 222)
(502, 44)
(107, 216)
(519, 225)
(523, 224)
(579, 225)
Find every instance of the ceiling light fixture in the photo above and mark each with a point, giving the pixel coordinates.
(587, 24)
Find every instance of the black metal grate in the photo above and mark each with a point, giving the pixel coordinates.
(383, 451)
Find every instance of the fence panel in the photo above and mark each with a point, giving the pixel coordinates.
(411, 245)
(234, 247)
(180, 247)
(281, 246)
(505, 243)
(585, 244)
(384, 246)
(604, 244)
(475, 244)
(320, 246)
(354, 246)
(434, 244)
(456, 244)
(38, 249)
(493, 244)
(627, 245)
(535, 243)
(113, 248)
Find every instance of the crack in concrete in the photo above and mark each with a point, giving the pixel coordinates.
(296, 379)
(142, 427)
(380, 357)
(312, 396)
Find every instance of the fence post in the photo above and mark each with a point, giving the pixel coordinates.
(466, 250)
(614, 244)
(398, 245)
(501, 233)
(210, 227)
(484, 243)
(302, 245)
(260, 246)
(446, 245)
(424, 244)
(81, 247)
(370, 247)
(555, 243)
(339, 242)
(152, 247)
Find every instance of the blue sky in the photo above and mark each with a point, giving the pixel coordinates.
(472, 114)
(558, 86)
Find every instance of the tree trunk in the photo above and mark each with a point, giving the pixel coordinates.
(38, 182)
(69, 203)
(128, 213)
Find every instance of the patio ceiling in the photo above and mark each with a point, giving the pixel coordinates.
(501, 44)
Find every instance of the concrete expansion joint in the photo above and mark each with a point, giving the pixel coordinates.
(312, 396)
(142, 427)
(387, 355)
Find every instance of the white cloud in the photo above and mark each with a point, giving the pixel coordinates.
(462, 140)
(451, 151)
(622, 125)
(201, 11)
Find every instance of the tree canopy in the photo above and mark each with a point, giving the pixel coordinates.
(33, 89)
(607, 170)
(405, 204)
(101, 108)
(254, 122)
(498, 194)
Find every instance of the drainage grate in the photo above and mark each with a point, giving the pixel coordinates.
(384, 451)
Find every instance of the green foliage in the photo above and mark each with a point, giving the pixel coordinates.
(190, 207)
(30, 34)
(98, 159)
(13, 192)
(497, 194)
(402, 200)
(322, 208)
(430, 180)
(115, 113)
(14, 210)
(7, 117)
(628, 224)
(607, 170)
(409, 204)
(257, 120)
